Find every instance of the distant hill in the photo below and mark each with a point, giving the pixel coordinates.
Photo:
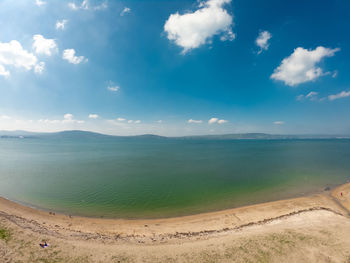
(93, 135)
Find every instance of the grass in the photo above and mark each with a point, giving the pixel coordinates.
(5, 234)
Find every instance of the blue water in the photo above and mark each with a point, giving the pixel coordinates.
(147, 178)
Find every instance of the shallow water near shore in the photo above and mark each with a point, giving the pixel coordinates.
(150, 178)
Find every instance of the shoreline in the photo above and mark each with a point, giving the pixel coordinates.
(261, 211)
(319, 191)
(140, 239)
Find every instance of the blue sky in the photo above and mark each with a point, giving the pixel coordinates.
(175, 67)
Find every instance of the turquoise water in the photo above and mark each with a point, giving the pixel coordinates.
(147, 178)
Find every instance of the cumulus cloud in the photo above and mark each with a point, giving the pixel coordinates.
(42, 45)
(217, 120)
(137, 121)
(278, 122)
(69, 55)
(213, 120)
(113, 88)
(60, 24)
(121, 119)
(301, 65)
(222, 121)
(39, 2)
(93, 116)
(130, 121)
(125, 11)
(12, 54)
(194, 29)
(263, 41)
(194, 121)
(159, 121)
(340, 95)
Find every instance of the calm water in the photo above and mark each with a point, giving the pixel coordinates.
(139, 178)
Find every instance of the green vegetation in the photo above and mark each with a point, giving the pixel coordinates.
(5, 234)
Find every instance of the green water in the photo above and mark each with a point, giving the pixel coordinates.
(147, 178)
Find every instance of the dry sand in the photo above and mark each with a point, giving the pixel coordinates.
(307, 229)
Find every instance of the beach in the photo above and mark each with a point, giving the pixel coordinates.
(313, 228)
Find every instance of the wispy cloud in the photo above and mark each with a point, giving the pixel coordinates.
(312, 95)
(194, 121)
(301, 65)
(125, 11)
(263, 41)
(61, 24)
(278, 122)
(40, 2)
(113, 88)
(340, 95)
(85, 5)
(93, 116)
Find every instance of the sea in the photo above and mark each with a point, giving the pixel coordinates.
(146, 177)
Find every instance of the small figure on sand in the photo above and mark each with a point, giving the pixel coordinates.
(44, 245)
(341, 193)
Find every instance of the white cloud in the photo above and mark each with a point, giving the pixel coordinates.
(278, 122)
(192, 30)
(130, 121)
(68, 116)
(222, 121)
(86, 6)
(301, 67)
(213, 120)
(69, 55)
(113, 88)
(263, 41)
(159, 121)
(194, 121)
(93, 116)
(43, 45)
(121, 119)
(125, 11)
(340, 95)
(12, 54)
(3, 71)
(73, 6)
(312, 95)
(5, 117)
(217, 120)
(39, 68)
(39, 2)
(138, 121)
(60, 24)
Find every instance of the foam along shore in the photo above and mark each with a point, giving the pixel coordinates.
(175, 237)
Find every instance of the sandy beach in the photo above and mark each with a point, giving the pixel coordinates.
(306, 229)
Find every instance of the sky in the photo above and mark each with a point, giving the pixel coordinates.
(175, 67)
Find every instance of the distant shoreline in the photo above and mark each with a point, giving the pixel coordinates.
(229, 136)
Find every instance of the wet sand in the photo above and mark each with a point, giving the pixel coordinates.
(306, 229)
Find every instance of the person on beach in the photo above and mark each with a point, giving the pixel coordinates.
(44, 245)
